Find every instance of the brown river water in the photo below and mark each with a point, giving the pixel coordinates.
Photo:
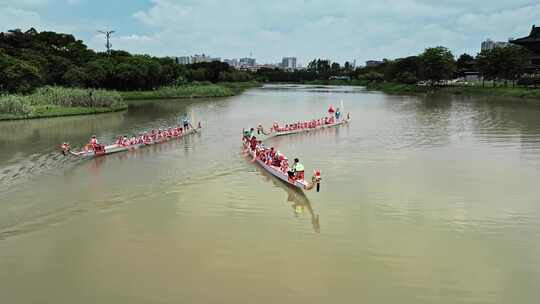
(424, 200)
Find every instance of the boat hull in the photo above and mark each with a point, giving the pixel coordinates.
(112, 149)
(339, 123)
(300, 184)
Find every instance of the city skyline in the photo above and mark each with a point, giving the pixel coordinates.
(341, 32)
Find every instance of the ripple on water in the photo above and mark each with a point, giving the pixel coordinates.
(36, 165)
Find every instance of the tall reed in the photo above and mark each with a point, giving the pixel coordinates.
(72, 97)
(13, 104)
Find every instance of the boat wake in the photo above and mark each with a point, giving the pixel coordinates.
(32, 166)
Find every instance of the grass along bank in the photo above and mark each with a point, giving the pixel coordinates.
(193, 90)
(397, 88)
(58, 101)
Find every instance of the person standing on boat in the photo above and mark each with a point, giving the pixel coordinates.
(331, 111)
(298, 169)
(185, 122)
(338, 114)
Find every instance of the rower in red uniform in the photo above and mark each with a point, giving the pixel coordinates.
(94, 142)
(253, 143)
(272, 152)
(275, 126)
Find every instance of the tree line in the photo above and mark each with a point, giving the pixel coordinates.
(433, 67)
(32, 59)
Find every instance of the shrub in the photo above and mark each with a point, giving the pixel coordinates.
(72, 97)
(13, 104)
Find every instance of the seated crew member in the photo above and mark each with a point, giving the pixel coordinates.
(253, 143)
(276, 161)
(94, 141)
(284, 164)
(275, 126)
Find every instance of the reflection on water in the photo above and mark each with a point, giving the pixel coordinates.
(299, 201)
(428, 199)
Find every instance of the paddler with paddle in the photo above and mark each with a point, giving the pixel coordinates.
(92, 144)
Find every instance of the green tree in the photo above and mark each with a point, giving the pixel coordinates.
(487, 65)
(513, 60)
(17, 76)
(97, 73)
(504, 63)
(465, 62)
(197, 74)
(438, 64)
(372, 76)
(320, 67)
(75, 77)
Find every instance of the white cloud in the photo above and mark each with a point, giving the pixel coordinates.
(136, 43)
(22, 3)
(12, 18)
(339, 30)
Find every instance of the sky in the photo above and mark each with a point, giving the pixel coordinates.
(339, 30)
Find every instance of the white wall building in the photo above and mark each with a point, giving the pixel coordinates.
(247, 62)
(490, 44)
(183, 60)
(288, 63)
(196, 59)
(232, 62)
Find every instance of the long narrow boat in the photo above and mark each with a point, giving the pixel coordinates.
(273, 133)
(277, 172)
(115, 148)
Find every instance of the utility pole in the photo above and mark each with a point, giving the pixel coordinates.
(108, 44)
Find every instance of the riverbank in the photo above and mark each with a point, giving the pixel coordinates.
(396, 88)
(352, 82)
(58, 101)
(48, 111)
(205, 90)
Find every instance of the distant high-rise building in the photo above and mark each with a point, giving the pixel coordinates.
(247, 62)
(232, 62)
(196, 59)
(373, 63)
(183, 60)
(490, 44)
(288, 63)
(201, 58)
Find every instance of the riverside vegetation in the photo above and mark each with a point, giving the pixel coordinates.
(500, 91)
(57, 101)
(191, 90)
(32, 60)
(45, 74)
